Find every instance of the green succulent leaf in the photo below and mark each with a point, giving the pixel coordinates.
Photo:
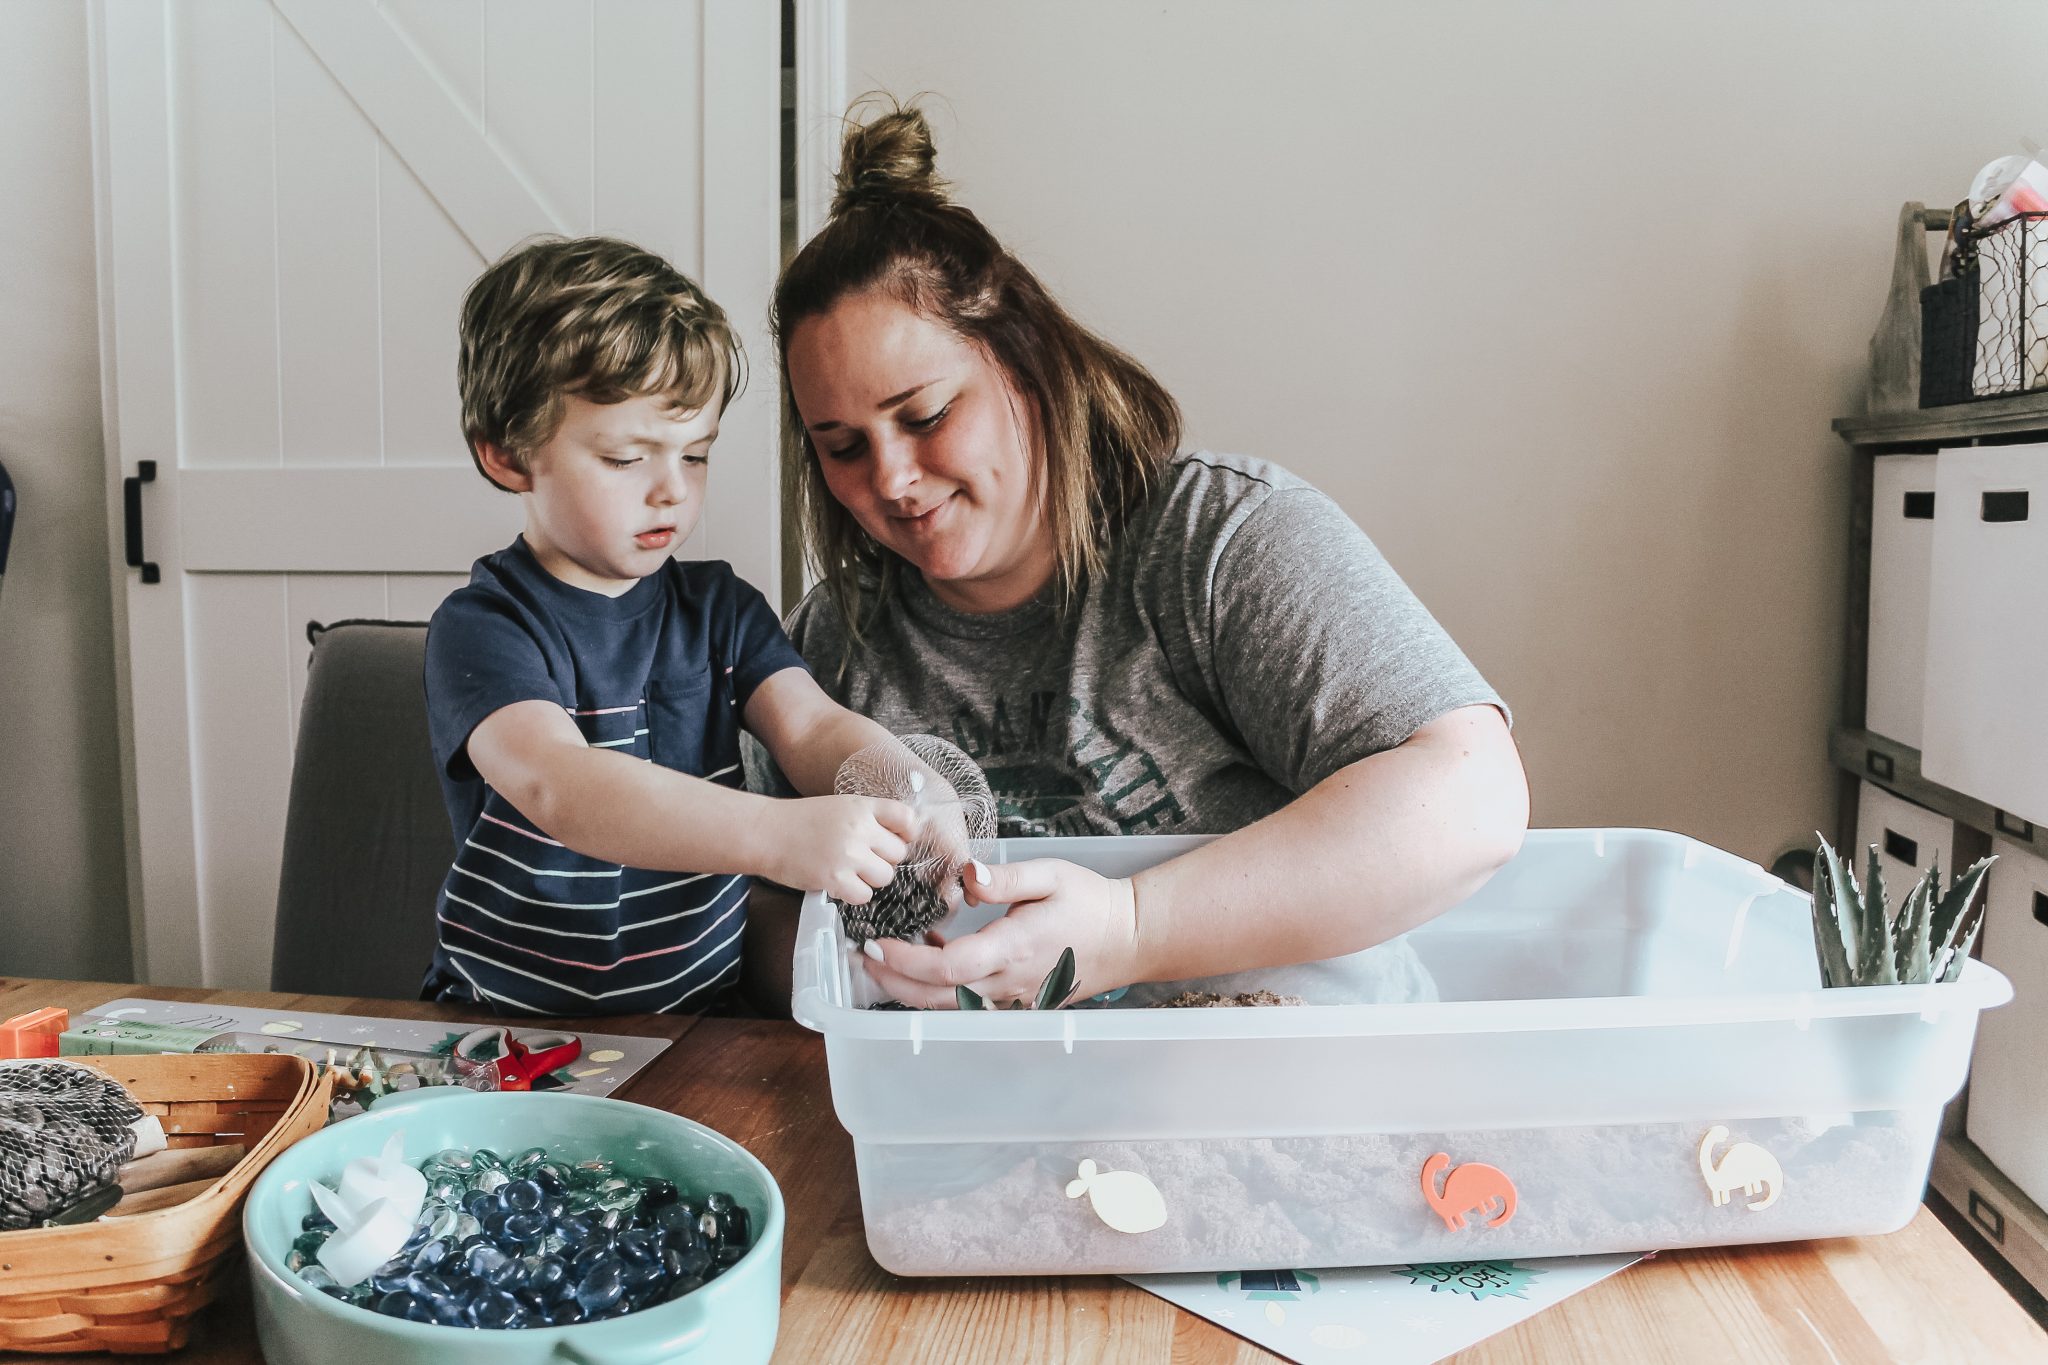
(1058, 983)
(1910, 933)
(968, 1000)
(1971, 923)
(1830, 926)
(1955, 921)
(1876, 963)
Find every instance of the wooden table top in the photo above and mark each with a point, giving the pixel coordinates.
(1915, 1295)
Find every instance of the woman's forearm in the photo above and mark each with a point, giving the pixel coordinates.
(1375, 849)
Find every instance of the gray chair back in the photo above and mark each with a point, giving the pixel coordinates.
(366, 841)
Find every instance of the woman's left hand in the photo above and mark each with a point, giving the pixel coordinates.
(1054, 905)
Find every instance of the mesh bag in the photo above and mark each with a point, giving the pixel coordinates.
(64, 1131)
(955, 808)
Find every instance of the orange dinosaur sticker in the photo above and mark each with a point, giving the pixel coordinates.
(1468, 1189)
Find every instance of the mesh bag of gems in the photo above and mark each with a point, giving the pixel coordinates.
(64, 1131)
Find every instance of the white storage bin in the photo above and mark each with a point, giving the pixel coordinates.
(2008, 1116)
(1608, 1002)
(1901, 557)
(1909, 840)
(1984, 731)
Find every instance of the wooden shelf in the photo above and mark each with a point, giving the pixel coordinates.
(2013, 1224)
(1896, 768)
(2017, 414)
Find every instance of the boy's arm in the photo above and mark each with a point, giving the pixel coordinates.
(807, 733)
(621, 809)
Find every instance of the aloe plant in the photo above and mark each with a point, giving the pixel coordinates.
(1861, 943)
(1053, 992)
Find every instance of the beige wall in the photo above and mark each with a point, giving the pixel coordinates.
(63, 885)
(1556, 299)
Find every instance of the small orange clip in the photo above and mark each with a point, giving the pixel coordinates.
(33, 1034)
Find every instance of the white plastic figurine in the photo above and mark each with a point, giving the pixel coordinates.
(1745, 1166)
(1125, 1200)
(373, 1208)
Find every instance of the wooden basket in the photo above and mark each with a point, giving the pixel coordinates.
(131, 1285)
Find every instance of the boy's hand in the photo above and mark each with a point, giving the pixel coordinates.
(845, 846)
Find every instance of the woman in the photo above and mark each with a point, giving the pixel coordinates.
(1127, 639)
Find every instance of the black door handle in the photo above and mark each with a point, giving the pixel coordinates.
(131, 518)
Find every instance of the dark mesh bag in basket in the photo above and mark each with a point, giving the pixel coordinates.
(64, 1131)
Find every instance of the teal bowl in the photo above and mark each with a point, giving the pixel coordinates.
(731, 1319)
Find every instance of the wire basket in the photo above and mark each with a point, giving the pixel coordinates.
(1984, 333)
(131, 1285)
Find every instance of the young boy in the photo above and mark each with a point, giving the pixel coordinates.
(586, 692)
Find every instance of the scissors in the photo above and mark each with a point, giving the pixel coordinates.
(522, 1059)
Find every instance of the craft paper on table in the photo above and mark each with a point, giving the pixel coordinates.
(607, 1060)
(1385, 1315)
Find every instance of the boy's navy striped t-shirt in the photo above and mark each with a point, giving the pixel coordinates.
(662, 673)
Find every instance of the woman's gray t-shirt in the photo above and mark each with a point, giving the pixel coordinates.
(1244, 641)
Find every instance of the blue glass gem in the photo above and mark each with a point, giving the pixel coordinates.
(576, 1229)
(526, 1229)
(496, 1308)
(602, 1287)
(523, 1196)
(638, 1246)
(391, 1276)
(549, 1278)
(588, 1257)
(427, 1285)
(483, 1259)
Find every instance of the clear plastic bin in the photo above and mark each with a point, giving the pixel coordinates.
(1606, 1001)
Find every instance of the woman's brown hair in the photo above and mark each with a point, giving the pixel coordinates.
(1106, 425)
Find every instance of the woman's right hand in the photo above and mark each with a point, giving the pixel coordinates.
(844, 846)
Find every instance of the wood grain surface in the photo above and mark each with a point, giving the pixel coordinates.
(1916, 1295)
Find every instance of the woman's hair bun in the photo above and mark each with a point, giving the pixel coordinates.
(889, 158)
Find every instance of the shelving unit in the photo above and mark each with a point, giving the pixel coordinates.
(2013, 1225)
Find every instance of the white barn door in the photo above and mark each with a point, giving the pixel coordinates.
(293, 195)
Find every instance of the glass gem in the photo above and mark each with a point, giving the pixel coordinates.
(602, 1287)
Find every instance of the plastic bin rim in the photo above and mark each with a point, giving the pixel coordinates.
(1981, 987)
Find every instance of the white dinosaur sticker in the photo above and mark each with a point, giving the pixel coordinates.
(1745, 1166)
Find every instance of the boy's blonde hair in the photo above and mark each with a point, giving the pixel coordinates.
(591, 316)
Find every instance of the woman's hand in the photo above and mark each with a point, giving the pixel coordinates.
(1054, 905)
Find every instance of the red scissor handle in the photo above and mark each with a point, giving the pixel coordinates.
(522, 1060)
